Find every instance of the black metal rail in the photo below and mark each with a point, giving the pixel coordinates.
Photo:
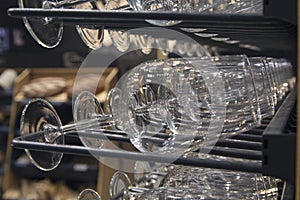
(258, 31)
(226, 147)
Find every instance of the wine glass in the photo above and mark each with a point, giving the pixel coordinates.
(170, 115)
(242, 109)
(184, 182)
(88, 194)
(118, 183)
(142, 41)
(47, 31)
(91, 35)
(41, 123)
(263, 86)
(121, 187)
(120, 38)
(253, 7)
(148, 174)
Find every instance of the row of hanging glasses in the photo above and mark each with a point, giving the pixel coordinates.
(48, 31)
(168, 107)
(184, 182)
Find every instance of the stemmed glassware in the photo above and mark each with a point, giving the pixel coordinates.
(88, 194)
(43, 30)
(204, 6)
(165, 106)
(91, 35)
(40, 116)
(208, 183)
(120, 38)
(48, 32)
(184, 182)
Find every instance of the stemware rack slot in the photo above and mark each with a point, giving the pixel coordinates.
(274, 33)
(225, 147)
(255, 33)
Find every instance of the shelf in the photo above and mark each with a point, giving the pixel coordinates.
(255, 33)
(232, 147)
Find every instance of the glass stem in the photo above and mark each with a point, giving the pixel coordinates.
(99, 121)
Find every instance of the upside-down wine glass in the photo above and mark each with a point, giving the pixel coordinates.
(48, 31)
(88, 194)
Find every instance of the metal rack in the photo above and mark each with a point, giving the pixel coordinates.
(255, 33)
(257, 144)
(261, 144)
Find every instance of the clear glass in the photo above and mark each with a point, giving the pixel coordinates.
(92, 36)
(149, 175)
(156, 5)
(36, 116)
(237, 7)
(45, 31)
(88, 194)
(242, 107)
(87, 108)
(285, 74)
(263, 87)
(48, 31)
(170, 109)
(184, 182)
(142, 41)
(120, 38)
(41, 121)
(118, 183)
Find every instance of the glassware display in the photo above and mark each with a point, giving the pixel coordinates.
(208, 183)
(184, 182)
(168, 106)
(172, 108)
(48, 31)
(237, 7)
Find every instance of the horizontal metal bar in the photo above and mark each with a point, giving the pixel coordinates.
(237, 153)
(79, 150)
(239, 144)
(248, 137)
(133, 15)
